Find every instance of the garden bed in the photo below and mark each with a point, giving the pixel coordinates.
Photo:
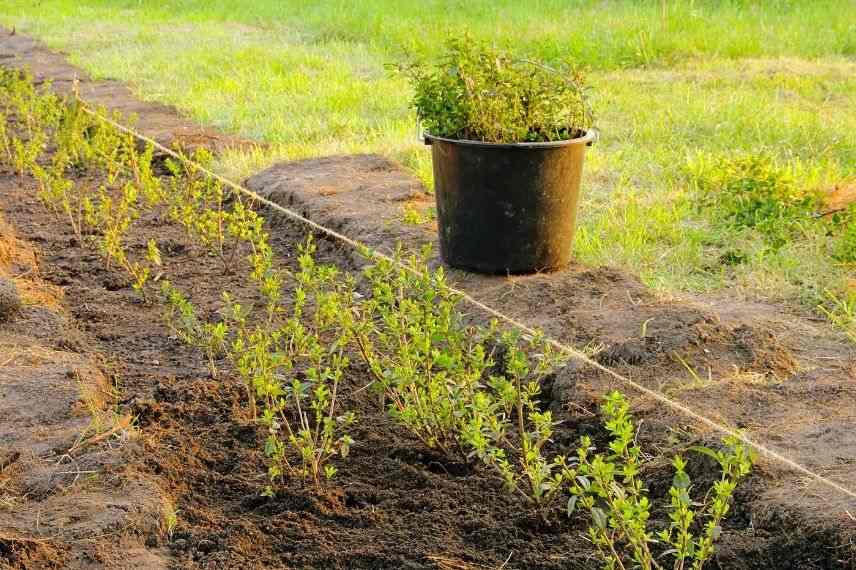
(395, 504)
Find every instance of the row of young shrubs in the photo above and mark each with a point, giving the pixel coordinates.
(468, 392)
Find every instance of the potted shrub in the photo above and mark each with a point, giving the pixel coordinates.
(508, 137)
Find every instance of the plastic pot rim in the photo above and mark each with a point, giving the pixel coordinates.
(589, 138)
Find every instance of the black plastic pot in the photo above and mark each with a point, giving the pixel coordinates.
(507, 208)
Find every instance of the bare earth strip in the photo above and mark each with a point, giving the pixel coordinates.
(69, 496)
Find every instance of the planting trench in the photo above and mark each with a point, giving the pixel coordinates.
(786, 378)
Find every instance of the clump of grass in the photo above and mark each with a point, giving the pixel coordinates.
(416, 217)
(169, 518)
(767, 218)
(845, 247)
(752, 192)
(98, 401)
(841, 311)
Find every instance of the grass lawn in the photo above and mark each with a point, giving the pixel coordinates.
(674, 83)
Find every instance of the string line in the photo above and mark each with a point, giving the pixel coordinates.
(563, 348)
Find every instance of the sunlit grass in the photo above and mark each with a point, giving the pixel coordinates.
(709, 77)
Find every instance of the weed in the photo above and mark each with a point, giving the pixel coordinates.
(841, 311)
(845, 246)
(169, 518)
(417, 217)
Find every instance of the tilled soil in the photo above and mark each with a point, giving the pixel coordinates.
(394, 504)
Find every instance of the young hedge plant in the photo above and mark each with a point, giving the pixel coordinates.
(475, 91)
(469, 392)
(426, 362)
(293, 358)
(610, 487)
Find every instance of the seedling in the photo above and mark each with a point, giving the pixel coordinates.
(301, 414)
(427, 364)
(169, 521)
(60, 194)
(196, 202)
(510, 433)
(434, 373)
(180, 316)
(414, 216)
(114, 218)
(25, 153)
(73, 135)
(141, 272)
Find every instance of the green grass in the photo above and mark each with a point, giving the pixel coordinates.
(704, 78)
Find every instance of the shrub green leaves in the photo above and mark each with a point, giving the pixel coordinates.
(440, 380)
(426, 362)
(752, 192)
(609, 487)
(845, 247)
(478, 92)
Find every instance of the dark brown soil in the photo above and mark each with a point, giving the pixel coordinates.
(784, 377)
